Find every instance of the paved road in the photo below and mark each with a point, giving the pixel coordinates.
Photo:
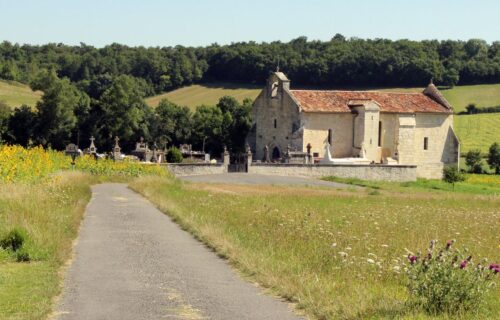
(249, 178)
(133, 262)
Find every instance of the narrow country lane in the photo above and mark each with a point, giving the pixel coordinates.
(133, 262)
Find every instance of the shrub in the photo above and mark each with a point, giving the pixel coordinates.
(174, 155)
(473, 161)
(494, 157)
(13, 240)
(22, 255)
(447, 281)
(452, 175)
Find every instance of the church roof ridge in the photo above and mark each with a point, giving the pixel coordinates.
(338, 101)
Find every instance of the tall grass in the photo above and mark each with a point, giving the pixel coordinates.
(339, 254)
(50, 213)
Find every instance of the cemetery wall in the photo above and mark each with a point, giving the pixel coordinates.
(192, 169)
(377, 172)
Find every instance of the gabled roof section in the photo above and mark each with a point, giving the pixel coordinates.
(281, 76)
(339, 101)
(434, 93)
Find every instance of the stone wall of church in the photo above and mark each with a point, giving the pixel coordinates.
(428, 141)
(276, 119)
(390, 126)
(316, 126)
(442, 145)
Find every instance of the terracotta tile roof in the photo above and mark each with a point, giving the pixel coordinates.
(339, 101)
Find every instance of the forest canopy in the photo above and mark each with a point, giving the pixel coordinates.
(338, 62)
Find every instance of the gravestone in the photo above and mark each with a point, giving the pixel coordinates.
(92, 148)
(117, 154)
(72, 150)
(142, 150)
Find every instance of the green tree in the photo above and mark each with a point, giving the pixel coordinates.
(473, 161)
(494, 157)
(452, 175)
(237, 122)
(207, 133)
(123, 113)
(5, 113)
(471, 108)
(21, 126)
(56, 119)
(173, 123)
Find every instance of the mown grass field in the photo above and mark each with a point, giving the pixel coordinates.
(312, 246)
(478, 131)
(208, 94)
(15, 94)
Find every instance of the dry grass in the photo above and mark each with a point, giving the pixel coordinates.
(292, 240)
(208, 94)
(16, 94)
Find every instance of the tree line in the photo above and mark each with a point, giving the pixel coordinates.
(338, 62)
(115, 106)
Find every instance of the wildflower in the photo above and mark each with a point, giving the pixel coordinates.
(463, 264)
(343, 254)
(370, 261)
(495, 268)
(334, 245)
(412, 258)
(385, 246)
(449, 244)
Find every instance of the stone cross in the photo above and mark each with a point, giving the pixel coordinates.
(92, 148)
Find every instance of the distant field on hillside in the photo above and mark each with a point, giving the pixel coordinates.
(483, 95)
(16, 94)
(478, 131)
(208, 94)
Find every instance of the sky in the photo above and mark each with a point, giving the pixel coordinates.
(204, 22)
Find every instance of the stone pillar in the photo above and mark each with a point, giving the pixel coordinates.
(249, 158)
(225, 157)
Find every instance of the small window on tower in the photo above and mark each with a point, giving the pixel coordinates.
(426, 143)
(275, 123)
(380, 133)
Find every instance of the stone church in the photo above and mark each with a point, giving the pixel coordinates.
(356, 127)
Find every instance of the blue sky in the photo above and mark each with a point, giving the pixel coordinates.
(202, 22)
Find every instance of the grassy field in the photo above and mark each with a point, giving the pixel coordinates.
(209, 94)
(478, 131)
(312, 246)
(16, 94)
(484, 95)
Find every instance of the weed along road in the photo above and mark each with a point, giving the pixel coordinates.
(132, 262)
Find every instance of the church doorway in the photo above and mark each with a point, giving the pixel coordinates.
(276, 154)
